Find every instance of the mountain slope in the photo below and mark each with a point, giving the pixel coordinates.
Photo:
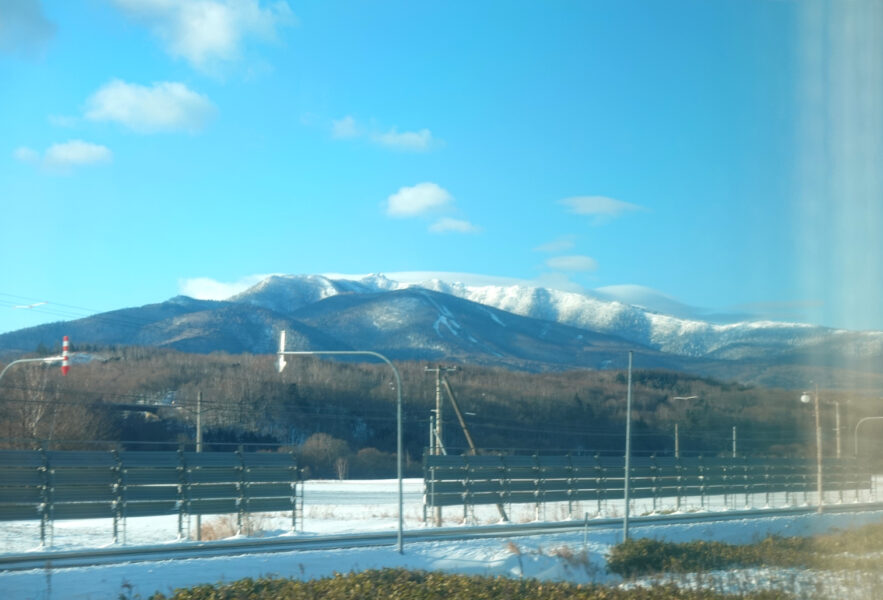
(422, 324)
(509, 325)
(737, 341)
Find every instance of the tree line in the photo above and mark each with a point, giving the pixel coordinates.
(339, 415)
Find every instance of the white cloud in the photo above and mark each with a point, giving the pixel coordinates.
(75, 153)
(449, 225)
(417, 141)
(25, 154)
(205, 288)
(417, 200)
(448, 276)
(207, 32)
(572, 263)
(64, 156)
(600, 207)
(414, 141)
(24, 29)
(165, 106)
(651, 299)
(62, 120)
(344, 128)
(565, 242)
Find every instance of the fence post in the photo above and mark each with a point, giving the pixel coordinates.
(240, 501)
(182, 476)
(679, 471)
(701, 471)
(117, 496)
(570, 486)
(537, 490)
(430, 491)
(766, 477)
(505, 488)
(294, 481)
(654, 468)
(842, 475)
(46, 497)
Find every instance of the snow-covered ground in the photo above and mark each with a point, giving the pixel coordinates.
(332, 507)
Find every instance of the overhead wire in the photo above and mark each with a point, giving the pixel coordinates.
(75, 312)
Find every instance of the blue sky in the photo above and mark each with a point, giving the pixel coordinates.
(724, 154)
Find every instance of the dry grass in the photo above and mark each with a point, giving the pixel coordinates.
(569, 556)
(225, 526)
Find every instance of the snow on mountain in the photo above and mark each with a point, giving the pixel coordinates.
(287, 293)
(499, 322)
(688, 337)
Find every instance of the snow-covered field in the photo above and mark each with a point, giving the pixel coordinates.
(332, 507)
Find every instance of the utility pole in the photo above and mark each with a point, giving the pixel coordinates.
(472, 449)
(628, 453)
(806, 398)
(199, 449)
(677, 443)
(436, 446)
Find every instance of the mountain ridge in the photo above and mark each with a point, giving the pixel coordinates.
(515, 326)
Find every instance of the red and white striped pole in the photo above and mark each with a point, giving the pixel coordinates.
(65, 356)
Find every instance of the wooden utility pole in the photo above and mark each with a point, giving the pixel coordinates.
(472, 449)
(436, 441)
(459, 414)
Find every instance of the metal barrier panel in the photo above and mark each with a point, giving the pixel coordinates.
(475, 480)
(92, 484)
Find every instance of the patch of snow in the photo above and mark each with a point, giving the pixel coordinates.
(451, 324)
(495, 318)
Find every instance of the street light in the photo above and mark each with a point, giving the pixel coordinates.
(64, 358)
(628, 453)
(281, 366)
(856, 430)
(806, 399)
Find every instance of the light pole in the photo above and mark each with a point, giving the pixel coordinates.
(837, 426)
(857, 426)
(806, 398)
(677, 436)
(281, 366)
(628, 453)
(64, 358)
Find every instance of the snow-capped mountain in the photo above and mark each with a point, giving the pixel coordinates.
(658, 331)
(509, 324)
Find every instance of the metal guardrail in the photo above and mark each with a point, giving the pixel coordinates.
(55, 485)
(493, 479)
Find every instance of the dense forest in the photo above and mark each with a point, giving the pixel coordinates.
(339, 416)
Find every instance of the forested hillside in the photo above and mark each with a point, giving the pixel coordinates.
(340, 416)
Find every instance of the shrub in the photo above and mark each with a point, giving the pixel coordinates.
(836, 550)
(421, 585)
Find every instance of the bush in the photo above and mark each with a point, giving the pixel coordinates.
(371, 463)
(836, 550)
(421, 585)
(320, 452)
